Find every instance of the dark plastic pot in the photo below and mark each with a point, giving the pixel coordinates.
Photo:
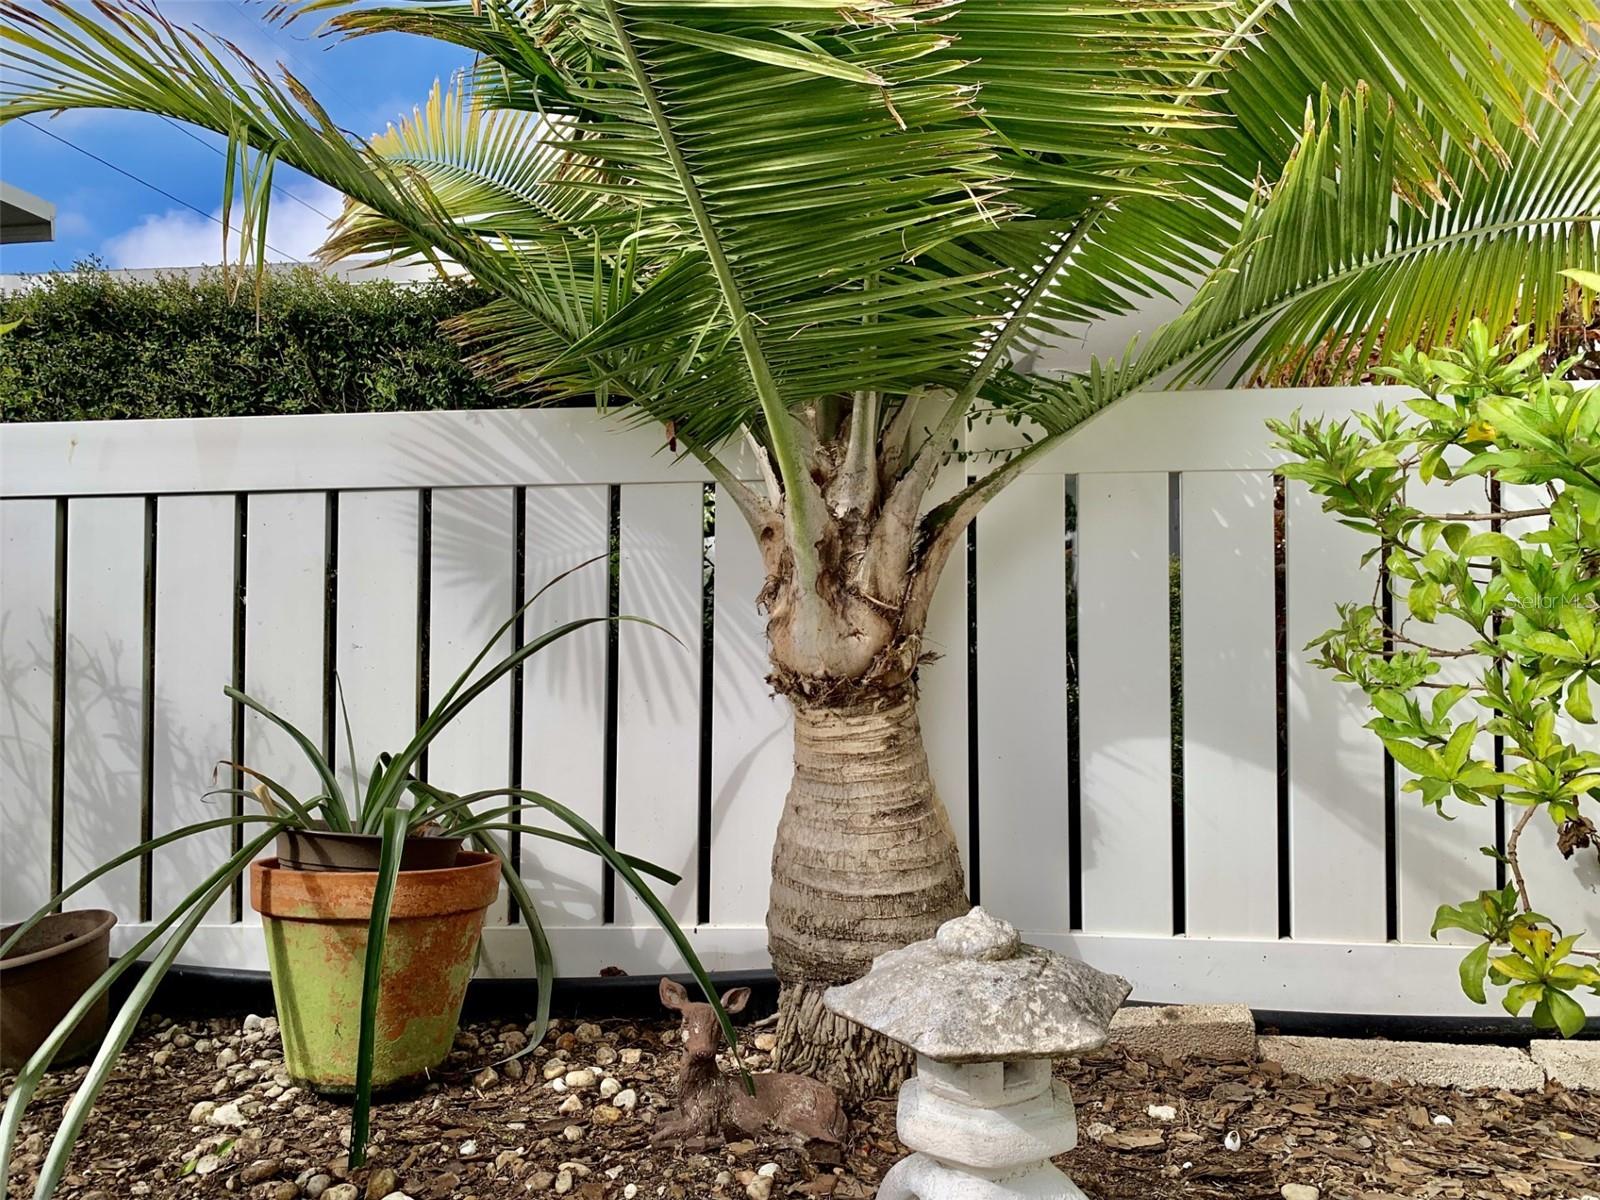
(325, 850)
(44, 975)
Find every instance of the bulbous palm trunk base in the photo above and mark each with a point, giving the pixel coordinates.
(864, 862)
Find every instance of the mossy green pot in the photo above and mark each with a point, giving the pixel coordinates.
(315, 924)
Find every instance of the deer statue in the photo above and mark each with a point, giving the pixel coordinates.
(713, 1107)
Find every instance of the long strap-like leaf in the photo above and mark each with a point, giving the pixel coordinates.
(334, 806)
(394, 841)
(112, 864)
(641, 889)
(196, 905)
(543, 957)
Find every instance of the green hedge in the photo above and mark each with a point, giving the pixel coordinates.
(92, 346)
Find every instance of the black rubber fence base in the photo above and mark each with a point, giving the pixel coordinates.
(205, 992)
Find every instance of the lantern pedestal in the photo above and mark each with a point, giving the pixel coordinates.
(983, 1130)
(922, 1178)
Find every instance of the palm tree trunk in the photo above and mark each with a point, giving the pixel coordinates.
(865, 862)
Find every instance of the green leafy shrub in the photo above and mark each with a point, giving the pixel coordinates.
(91, 346)
(1509, 599)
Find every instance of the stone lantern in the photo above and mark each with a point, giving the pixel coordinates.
(985, 1015)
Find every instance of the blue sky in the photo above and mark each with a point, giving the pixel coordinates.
(364, 84)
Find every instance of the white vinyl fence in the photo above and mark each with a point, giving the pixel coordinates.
(145, 564)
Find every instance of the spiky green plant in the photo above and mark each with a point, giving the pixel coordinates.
(394, 805)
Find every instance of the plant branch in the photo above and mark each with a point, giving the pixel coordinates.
(758, 514)
(1511, 856)
(894, 443)
(1508, 515)
(858, 481)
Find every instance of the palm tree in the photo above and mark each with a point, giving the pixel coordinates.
(830, 230)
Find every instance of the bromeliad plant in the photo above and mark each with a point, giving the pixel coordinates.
(1481, 680)
(395, 804)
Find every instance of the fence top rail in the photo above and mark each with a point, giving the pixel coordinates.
(1156, 431)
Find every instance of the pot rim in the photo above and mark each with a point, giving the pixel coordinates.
(467, 861)
(316, 830)
(100, 929)
(289, 893)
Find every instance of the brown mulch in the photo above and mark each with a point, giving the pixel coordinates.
(501, 1135)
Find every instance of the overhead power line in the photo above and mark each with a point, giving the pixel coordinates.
(287, 195)
(216, 220)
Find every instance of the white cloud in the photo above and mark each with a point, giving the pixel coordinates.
(180, 238)
(72, 224)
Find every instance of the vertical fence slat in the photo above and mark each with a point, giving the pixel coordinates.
(285, 560)
(1336, 801)
(376, 650)
(193, 719)
(469, 582)
(1126, 721)
(564, 696)
(751, 739)
(1438, 861)
(1230, 743)
(470, 597)
(658, 685)
(105, 579)
(1022, 707)
(27, 647)
(942, 685)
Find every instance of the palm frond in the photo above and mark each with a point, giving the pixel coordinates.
(1464, 82)
(1330, 252)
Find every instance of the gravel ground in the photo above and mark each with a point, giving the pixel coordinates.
(204, 1108)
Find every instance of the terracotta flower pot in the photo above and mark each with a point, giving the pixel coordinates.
(316, 928)
(44, 975)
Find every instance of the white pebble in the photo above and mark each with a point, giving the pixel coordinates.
(1162, 1112)
(468, 1148)
(581, 1078)
(629, 1192)
(1441, 1119)
(229, 1115)
(770, 1170)
(626, 1098)
(609, 1087)
(1232, 1140)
